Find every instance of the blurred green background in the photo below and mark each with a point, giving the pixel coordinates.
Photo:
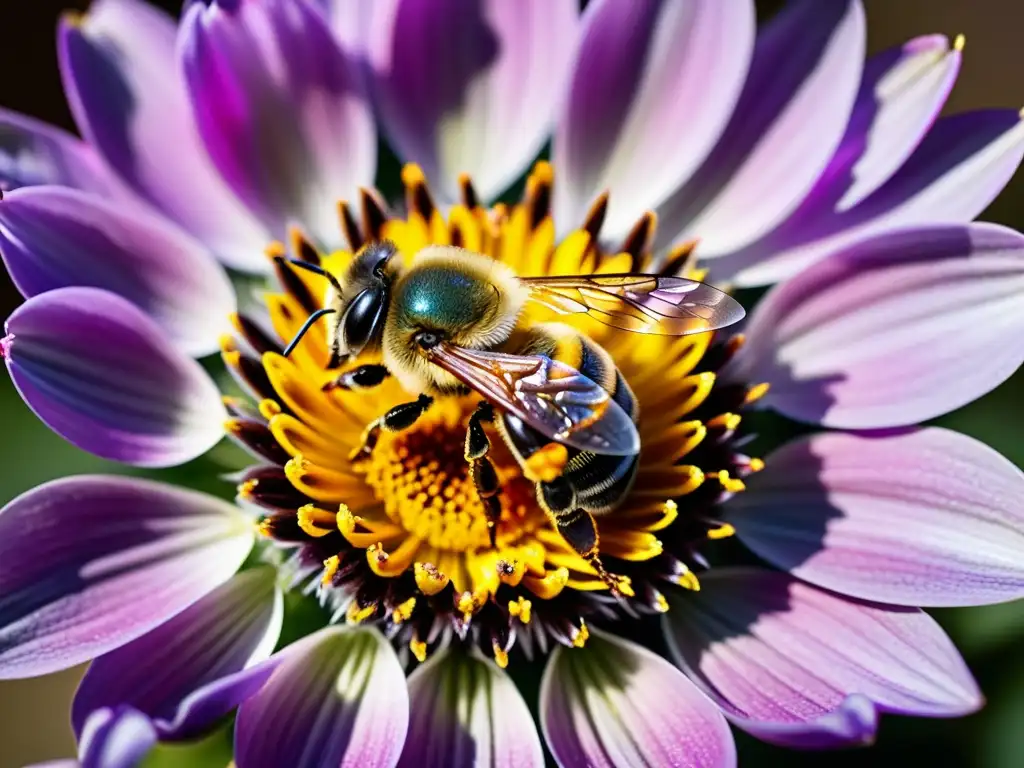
(34, 713)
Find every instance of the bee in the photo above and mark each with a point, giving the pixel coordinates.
(450, 323)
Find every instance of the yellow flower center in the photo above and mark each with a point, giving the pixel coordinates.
(422, 479)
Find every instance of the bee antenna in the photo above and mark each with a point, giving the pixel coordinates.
(316, 269)
(305, 327)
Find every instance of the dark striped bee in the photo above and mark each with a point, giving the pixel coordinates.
(450, 322)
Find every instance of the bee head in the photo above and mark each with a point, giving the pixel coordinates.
(357, 305)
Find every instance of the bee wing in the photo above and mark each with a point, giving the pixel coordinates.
(552, 397)
(661, 306)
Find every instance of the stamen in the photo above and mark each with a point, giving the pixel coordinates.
(756, 392)
(688, 580)
(357, 614)
(315, 521)
(429, 580)
(418, 648)
(730, 484)
(722, 531)
(550, 585)
(580, 637)
(330, 568)
(520, 608)
(403, 611)
(500, 656)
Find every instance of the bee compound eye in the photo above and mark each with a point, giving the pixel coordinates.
(362, 319)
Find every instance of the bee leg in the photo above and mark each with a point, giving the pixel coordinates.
(398, 419)
(485, 478)
(578, 528)
(363, 377)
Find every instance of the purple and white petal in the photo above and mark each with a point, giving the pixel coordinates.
(893, 331)
(194, 669)
(467, 711)
(614, 703)
(32, 152)
(958, 169)
(901, 93)
(101, 374)
(339, 699)
(281, 109)
(631, 125)
(121, 74)
(470, 87)
(928, 517)
(790, 118)
(56, 237)
(91, 563)
(801, 667)
(118, 737)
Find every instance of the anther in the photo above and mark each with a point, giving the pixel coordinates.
(520, 608)
(403, 611)
(419, 649)
(429, 580)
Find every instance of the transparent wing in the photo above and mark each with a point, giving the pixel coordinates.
(662, 306)
(553, 398)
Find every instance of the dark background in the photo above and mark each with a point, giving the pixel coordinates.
(33, 713)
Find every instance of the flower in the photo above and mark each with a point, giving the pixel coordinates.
(677, 137)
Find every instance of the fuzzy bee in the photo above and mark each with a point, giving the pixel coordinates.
(450, 322)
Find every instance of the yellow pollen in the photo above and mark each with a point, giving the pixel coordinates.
(500, 656)
(520, 609)
(429, 580)
(728, 421)
(265, 529)
(357, 614)
(731, 484)
(660, 603)
(404, 611)
(546, 464)
(419, 649)
(330, 568)
(723, 531)
(756, 465)
(582, 635)
(756, 392)
(315, 522)
(688, 580)
(959, 42)
(470, 603)
(245, 489)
